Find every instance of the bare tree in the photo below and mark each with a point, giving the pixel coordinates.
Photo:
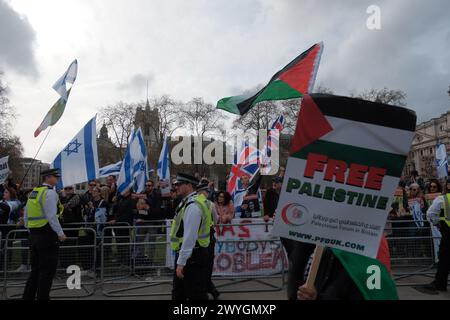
(201, 117)
(119, 118)
(7, 112)
(385, 95)
(169, 115)
(9, 145)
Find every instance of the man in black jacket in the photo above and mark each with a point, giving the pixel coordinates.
(71, 218)
(124, 213)
(271, 198)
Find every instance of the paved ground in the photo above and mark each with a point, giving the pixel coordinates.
(262, 289)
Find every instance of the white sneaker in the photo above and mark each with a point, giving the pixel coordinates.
(22, 268)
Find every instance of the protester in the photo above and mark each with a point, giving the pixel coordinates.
(434, 187)
(171, 203)
(338, 281)
(250, 206)
(124, 213)
(9, 215)
(71, 219)
(224, 207)
(271, 198)
(439, 215)
(111, 182)
(153, 199)
(415, 178)
(203, 189)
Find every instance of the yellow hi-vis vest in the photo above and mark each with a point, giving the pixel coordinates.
(35, 208)
(208, 205)
(445, 216)
(176, 233)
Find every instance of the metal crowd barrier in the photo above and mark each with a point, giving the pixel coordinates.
(140, 262)
(134, 261)
(413, 251)
(78, 250)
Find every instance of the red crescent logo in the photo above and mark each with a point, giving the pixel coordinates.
(284, 214)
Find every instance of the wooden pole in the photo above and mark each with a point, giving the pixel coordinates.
(314, 267)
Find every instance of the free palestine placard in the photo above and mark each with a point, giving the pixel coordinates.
(346, 159)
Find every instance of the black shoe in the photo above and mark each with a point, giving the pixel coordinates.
(430, 289)
(215, 294)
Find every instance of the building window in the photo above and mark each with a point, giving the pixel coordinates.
(421, 153)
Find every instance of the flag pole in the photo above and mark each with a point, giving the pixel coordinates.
(35, 156)
(314, 267)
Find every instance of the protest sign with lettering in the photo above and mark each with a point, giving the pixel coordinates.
(346, 159)
(4, 169)
(244, 247)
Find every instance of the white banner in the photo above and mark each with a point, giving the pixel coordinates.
(245, 247)
(4, 169)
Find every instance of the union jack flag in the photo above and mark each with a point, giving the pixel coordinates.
(272, 144)
(247, 164)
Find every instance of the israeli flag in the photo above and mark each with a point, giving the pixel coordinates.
(78, 161)
(134, 170)
(441, 161)
(68, 77)
(112, 169)
(163, 168)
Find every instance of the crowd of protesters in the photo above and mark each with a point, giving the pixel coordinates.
(102, 205)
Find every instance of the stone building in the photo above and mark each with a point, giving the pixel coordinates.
(33, 177)
(422, 156)
(108, 153)
(148, 120)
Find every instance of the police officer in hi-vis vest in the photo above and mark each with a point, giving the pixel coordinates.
(190, 238)
(439, 215)
(41, 218)
(203, 191)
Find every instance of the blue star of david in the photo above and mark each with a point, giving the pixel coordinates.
(72, 147)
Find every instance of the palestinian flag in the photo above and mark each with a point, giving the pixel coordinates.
(357, 265)
(354, 131)
(53, 115)
(293, 81)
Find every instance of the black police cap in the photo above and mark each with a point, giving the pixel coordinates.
(51, 172)
(186, 178)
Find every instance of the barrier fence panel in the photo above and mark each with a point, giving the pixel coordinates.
(413, 248)
(138, 260)
(78, 252)
(251, 260)
(135, 263)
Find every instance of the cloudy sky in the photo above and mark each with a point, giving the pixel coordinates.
(211, 49)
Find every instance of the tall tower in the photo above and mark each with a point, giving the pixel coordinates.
(148, 120)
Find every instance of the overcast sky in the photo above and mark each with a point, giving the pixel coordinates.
(211, 49)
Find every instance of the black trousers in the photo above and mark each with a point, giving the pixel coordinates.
(443, 267)
(211, 251)
(298, 257)
(194, 285)
(44, 259)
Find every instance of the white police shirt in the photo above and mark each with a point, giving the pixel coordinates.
(191, 224)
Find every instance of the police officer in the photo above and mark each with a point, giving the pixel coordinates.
(203, 193)
(41, 218)
(190, 238)
(439, 215)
